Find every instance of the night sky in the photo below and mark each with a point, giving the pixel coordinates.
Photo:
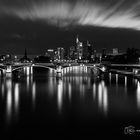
(40, 24)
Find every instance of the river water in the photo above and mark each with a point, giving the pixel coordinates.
(78, 103)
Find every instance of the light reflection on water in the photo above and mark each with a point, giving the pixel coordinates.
(138, 95)
(60, 94)
(16, 98)
(71, 90)
(8, 99)
(103, 97)
(33, 94)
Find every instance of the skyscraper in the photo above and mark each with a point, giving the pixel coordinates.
(79, 48)
(60, 53)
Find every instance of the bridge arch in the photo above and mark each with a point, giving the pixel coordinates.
(33, 66)
(73, 67)
(21, 67)
(41, 66)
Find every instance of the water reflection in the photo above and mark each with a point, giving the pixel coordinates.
(138, 95)
(69, 91)
(116, 82)
(94, 91)
(28, 82)
(3, 88)
(59, 94)
(72, 93)
(102, 97)
(33, 94)
(125, 84)
(9, 99)
(16, 99)
(110, 78)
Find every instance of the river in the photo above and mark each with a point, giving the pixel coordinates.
(78, 103)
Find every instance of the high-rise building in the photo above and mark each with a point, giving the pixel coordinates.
(72, 50)
(50, 53)
(79, 48)
(60, 53)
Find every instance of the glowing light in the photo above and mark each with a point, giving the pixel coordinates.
(60, 95)
(94, 90)
(31, 69)
(105, 100)
(116, 79)
(33, 94)
(138, 95)
(9, 69)
(50, 50)
(125, 81)
(70, 91)
(9, 99)
(100, 95)
(110, 78)
(125, 84)
(16, 99)
(3, 89)
(103, 69)
(103, 97)
(27, 70)
(28, 82)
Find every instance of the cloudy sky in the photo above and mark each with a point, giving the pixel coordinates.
(56, 22)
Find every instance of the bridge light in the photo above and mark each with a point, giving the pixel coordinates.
(103, 69)
(15, 57)
(136, 71)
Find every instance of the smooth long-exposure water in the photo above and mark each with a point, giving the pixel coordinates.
(78, 103)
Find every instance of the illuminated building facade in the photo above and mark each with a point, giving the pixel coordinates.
(50, 53)
(79, 49)
(60, 53)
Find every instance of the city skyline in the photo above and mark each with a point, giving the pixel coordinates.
(106, 24)
(98, 37)
(69, 68)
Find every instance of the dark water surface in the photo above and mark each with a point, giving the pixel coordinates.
(79, 104)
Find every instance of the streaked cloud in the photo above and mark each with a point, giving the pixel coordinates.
(63, 13)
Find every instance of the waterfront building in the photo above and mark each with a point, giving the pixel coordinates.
(50, 53)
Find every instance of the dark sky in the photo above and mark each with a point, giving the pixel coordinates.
(40, 24)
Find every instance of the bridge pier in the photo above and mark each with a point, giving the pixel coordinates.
(59, 72)
(136, 71)
(9, 69)
(3, 72)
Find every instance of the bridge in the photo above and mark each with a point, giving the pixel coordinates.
(125, 69)
(58, 68)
